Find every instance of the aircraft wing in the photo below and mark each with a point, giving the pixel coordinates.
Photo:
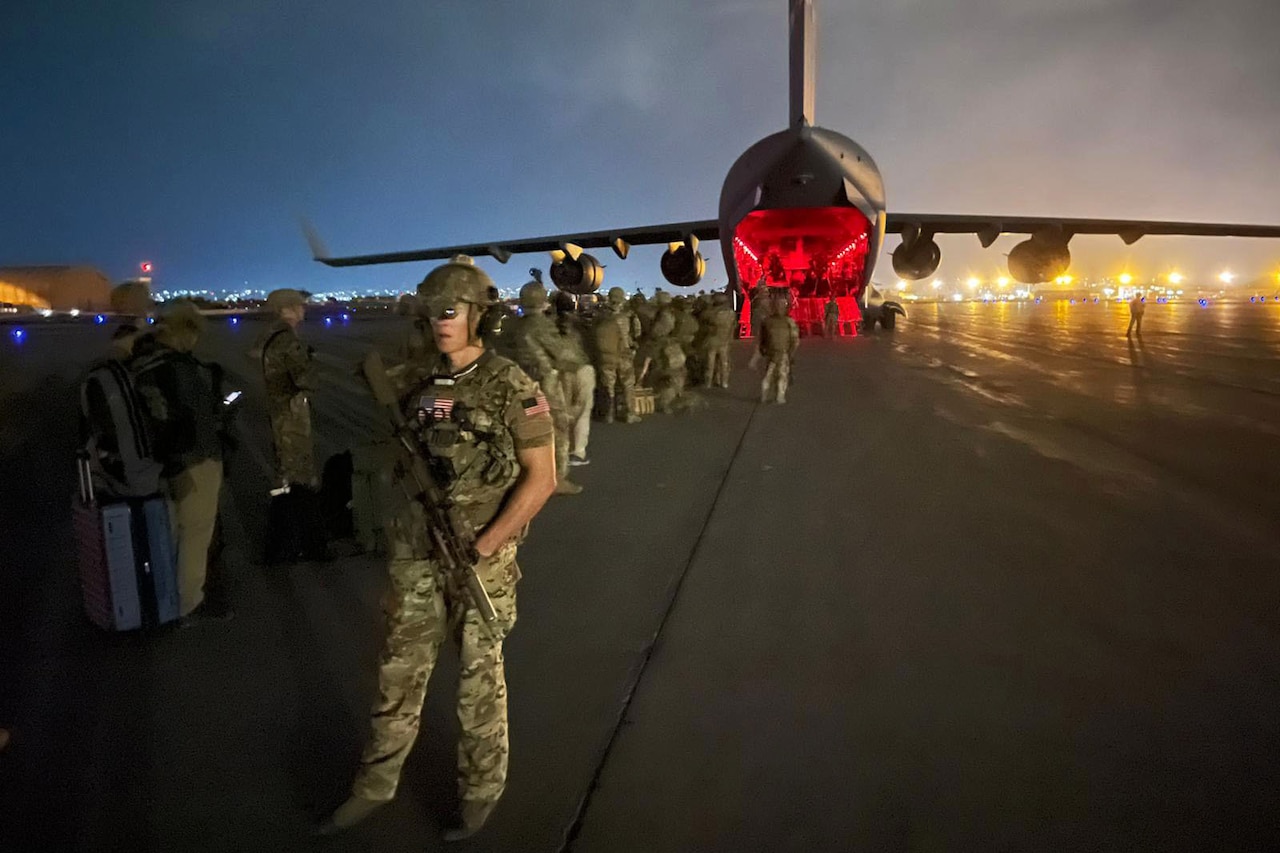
(620, 240)
(987, 228)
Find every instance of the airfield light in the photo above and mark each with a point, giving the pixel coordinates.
(957, 297)
(1175, 278)
(100, 319)
(937, 283)
(902, 285)
(1002, 281)
(1126, 279)
(19, 335)
(973, 283)
(146, 266)
(1226, 277)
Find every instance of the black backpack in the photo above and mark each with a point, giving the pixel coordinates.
(117, 432)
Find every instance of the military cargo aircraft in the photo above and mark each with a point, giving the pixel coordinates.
(804, 211)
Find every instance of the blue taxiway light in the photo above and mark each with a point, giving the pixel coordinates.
(328, 321)
(99, 319)
(235, 321)
(18, 335)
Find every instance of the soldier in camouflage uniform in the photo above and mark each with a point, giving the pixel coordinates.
(686, 333)
(779, 338)
(665, 364)
(831, 318)
(485, 421)
(718, 323)
(578, 375)
(289, 376)
(616, 331)
(540, 352)
(759, 307)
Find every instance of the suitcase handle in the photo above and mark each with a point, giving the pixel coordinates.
(85, 476)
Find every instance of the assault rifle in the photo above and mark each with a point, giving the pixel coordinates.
(451, 533)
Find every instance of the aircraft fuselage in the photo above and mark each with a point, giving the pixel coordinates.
(804, 209)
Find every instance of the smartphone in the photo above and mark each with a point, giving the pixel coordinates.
(231, 398)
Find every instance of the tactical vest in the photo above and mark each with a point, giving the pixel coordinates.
(459, 420)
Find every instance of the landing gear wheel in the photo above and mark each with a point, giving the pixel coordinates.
(888, 320)
(869, 324)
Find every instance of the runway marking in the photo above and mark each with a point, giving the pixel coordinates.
(579, 816)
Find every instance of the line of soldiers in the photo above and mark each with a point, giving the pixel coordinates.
(502, 432)
(606, 358)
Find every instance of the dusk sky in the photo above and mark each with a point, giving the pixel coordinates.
(194, 134)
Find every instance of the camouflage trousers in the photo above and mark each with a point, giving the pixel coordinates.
(716, 370)
(291, 434)
(831, 327)
(620, 373)
(776, 378)
(557, 398)
(668, 391)
(422, 610)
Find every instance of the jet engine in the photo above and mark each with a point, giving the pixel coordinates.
(683, 265)
(580, 276)
(1037, 260)
(917, 259)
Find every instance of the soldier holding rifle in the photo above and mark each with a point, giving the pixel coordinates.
(477, 464)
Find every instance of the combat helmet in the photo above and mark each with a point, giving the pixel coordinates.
(661, 298)
(617, 297)
(457, 281)
(533, 296)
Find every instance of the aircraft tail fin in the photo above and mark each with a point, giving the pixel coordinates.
(804, 61)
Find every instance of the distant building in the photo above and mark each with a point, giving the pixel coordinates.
(58, 287)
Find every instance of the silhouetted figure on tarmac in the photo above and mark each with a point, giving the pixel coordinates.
(1136, 307)
(831, 318)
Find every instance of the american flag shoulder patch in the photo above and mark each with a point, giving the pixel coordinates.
(536, 405)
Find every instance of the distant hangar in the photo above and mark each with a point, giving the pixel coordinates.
(60, 288)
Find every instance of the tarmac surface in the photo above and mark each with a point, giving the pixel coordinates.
(1000, 579)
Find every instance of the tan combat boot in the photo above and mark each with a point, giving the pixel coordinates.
(347, 815)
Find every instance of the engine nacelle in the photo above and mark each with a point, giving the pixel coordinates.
(916, 260)
(583, 276)
(683, 267)
(1034, 261)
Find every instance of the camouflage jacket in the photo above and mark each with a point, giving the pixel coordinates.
(779, 337)
(718, 323)
(286, 364)
(616, 332)
(539, 348)
(472, 423)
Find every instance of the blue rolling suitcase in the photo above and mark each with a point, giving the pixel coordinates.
(128, 559)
